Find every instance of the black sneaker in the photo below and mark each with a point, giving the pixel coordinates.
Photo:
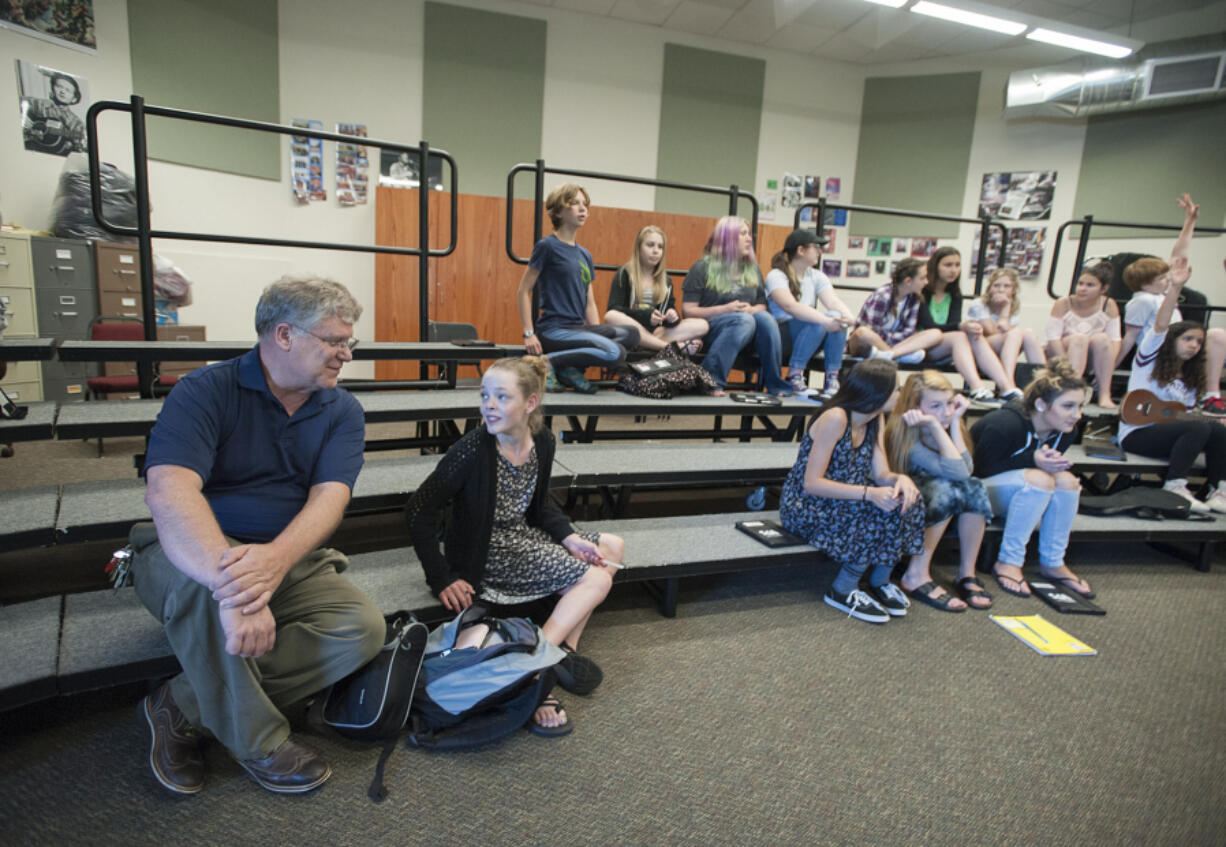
(891, 598)
(857, 604)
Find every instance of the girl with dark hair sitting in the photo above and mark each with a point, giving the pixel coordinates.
(962, 341)
(1019, 455)
(1086, 326)
(1170, 363)
(842, 497)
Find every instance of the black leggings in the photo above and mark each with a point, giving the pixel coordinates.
(1180, 442)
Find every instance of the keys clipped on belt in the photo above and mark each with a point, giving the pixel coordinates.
(119, 568)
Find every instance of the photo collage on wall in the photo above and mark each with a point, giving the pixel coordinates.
(306, 162)
(873, 258)
(1018, 195)
(783, 196)
(352, 166)
(1025, 251)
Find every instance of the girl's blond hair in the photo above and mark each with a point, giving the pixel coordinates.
(1015, 302)
(659, 277)
(529, 373)
(899, 437)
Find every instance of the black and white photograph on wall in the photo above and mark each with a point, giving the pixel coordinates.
(69, 23)
(53, 107)
(857, 269)
(401, 170)
(1018, 195)
(790, 188)
(879, 266)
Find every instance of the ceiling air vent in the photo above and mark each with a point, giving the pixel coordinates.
(1184, 75)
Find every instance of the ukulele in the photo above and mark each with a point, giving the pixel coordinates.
(1141, 407)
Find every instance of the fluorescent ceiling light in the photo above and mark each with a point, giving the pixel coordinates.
(1075, 42)
(961, 16)
(893, 4)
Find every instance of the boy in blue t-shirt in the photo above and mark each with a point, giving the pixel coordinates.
(568, 328)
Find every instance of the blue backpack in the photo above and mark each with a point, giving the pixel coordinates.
(470, 696)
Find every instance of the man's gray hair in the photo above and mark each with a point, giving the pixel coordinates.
(303, 301)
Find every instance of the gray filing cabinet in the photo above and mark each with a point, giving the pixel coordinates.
(67, 295)
(24, 382)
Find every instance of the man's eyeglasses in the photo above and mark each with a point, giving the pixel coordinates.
(334, 343)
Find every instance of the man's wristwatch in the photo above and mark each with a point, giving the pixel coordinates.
(528, 333)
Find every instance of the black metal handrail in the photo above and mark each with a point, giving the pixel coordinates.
(144, 232)
(1087, 224)
(733, 192)
(984, 222)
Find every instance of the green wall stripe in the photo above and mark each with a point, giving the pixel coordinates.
(218, 57)
(710, 115)
(484, 93)
(915, 147)
(1134, 165)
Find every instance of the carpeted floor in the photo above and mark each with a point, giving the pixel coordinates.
(757, 716)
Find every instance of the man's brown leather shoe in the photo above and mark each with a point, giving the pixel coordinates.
(174, 750)
(290, 769)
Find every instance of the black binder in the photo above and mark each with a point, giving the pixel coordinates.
(769, 533)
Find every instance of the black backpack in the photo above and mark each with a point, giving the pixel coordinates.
(1140, 501)
(373, 703)
(474, 695)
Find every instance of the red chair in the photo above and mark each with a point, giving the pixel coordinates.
(121, 328)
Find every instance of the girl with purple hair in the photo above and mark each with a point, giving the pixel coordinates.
(725, 289)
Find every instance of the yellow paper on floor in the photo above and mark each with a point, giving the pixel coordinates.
(1047, 639)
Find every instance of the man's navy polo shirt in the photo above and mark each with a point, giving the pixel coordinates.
(258, 463)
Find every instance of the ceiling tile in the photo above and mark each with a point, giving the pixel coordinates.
(698, 17)
(899, 52)
(800, 37)
(882, 27)
(594, 7)
(730, 5)
(653, 12)
(753, 23)
(836, 14)
(977, 41)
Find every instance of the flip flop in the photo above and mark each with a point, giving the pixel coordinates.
(1072, 584)
(969, 587)
(551, 731)
(1016, 580)
(923, 593)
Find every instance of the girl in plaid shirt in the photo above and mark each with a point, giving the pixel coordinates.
(890, 316)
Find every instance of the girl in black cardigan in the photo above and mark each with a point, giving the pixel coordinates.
(505, 540)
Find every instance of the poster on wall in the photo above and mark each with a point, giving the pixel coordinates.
(922, 248)
(401, 170)
(832, 267)
(813, 187)
(53, 107)
(900, 246)
(1018, 195)
(790, 191)
(833, 185)
(306, 162)
(766, 206)
(879, 246)
(857, 269)
(69, 23)
(352, 167)
(855, 242)
(1025, 251)
(879, 266)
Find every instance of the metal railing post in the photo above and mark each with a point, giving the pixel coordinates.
(1083, 245)
(423, 242)
(140, 166)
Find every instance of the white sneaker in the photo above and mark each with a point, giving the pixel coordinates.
(800, 388)
(1011, 394)
(876, 353)
(858, 605)
(1180, 487)
(912, 358)
(1217, 500)
(830, 388)
(985, 396)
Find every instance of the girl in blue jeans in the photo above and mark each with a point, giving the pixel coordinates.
(725, 289)
(809, 312)
(1019, 455)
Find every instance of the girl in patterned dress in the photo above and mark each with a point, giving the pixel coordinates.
(927, 438)
(506, 541)
(843, 498)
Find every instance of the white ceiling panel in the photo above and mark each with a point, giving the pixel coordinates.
(653, 12)
(840, 49)
(698, 18)
(754, 23)
(836, 14)
(801, 38)
(730, 5)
